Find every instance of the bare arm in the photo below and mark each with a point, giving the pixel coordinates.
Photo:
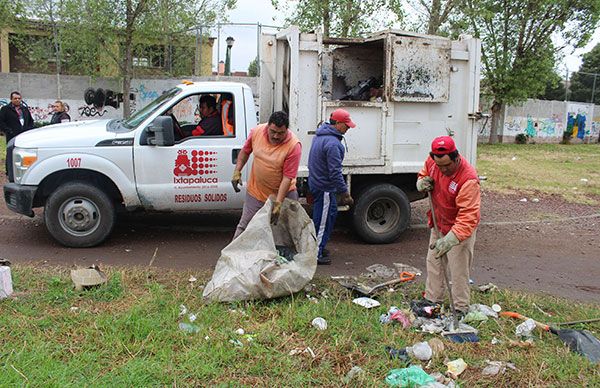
(284, 187)
(242, 159)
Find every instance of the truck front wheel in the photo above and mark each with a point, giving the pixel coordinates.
(79, 215)
(381, 214)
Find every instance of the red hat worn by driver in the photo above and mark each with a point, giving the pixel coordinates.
(342, 116)
(443, 145)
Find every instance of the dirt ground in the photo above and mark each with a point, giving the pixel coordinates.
(549, 245)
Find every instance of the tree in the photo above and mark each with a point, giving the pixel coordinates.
(253, 68)
(554, 90)
(434, 17)
(518, 54)
(585, 84)
(342, 18)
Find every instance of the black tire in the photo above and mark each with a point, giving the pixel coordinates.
(79, 215)
(381, 214)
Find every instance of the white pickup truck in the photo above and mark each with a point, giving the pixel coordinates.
(83, 172)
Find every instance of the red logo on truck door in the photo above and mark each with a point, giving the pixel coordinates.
(196, 168)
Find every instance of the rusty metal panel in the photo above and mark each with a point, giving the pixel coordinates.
(420, 70)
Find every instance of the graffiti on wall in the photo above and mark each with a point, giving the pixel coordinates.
(534, 126)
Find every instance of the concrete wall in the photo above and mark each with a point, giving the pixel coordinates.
(545, 121)
(41, 90)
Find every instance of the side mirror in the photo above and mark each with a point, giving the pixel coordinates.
(160, 132)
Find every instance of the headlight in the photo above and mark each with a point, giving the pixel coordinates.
(23, 158)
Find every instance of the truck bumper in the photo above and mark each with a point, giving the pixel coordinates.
(19, 198)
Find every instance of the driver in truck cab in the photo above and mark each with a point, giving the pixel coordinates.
(210, 125)
(277, 153)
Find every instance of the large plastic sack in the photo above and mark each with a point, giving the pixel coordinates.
(251, 267)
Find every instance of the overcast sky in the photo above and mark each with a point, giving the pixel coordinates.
(262, 11)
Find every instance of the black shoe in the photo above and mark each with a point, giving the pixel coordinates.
(323, 260)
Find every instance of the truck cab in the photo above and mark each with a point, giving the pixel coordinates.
(82, 172)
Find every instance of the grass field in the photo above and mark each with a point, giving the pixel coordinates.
(571, 171)
(126, 334)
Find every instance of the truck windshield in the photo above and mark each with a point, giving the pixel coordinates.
(146, 111)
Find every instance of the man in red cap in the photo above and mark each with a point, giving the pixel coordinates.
(325, 178)
(454, 188)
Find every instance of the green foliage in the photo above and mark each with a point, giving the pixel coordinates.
(521, 138)
(253, 68)
(582, 85)
(555, 89)
(73, 338)
(341, 18)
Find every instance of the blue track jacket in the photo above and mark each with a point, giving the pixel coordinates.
(325, 161)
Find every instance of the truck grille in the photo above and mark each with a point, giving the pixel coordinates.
(9, 160)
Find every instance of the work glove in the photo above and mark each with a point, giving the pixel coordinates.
(444, 244)
(425, 184)
(346, 199)
(236, 180)
(275, 212)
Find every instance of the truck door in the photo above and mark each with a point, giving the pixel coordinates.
(195, 173)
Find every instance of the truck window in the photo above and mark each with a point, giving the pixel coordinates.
(146, 111)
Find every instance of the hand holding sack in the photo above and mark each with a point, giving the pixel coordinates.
(346, 199)
(275, 212)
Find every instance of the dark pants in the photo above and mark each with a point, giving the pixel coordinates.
(324, 215)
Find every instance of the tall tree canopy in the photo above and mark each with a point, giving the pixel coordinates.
(585, 83)
(342, 18)
(518, 55)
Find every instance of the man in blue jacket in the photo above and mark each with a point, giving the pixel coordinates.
(325, 178)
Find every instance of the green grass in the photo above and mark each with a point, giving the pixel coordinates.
(542, 168)
(126, 334)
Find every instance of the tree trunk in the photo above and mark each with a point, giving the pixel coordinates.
(326, 19)
(496, 110)
(434, 17)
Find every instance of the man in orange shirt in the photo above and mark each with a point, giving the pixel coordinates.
(277, 153)
(454, 188)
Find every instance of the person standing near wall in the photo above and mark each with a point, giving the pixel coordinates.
(15, 119)
(60, 113)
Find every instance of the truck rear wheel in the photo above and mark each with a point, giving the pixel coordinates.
(381, 214)
(79, 215)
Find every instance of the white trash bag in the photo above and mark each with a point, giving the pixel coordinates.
(251, 267)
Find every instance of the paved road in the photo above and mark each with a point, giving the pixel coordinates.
(513, 249)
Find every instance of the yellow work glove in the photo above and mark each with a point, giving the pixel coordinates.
(346, 199)
(236, 180)
(425, 184)
(444, 244)
(275, 212)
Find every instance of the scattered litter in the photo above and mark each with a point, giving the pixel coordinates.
(319, 323)
(584, 180)
(348, 263)
(192, 317)
(541, 311)
(182, 310)
(88, 277)
(312, 298)
(525, 328)
(353, 373)
(395, 314)
(6, 287)
(522, 344)
(366, 302)
(188, 327)
(206, 338)
(74, 309)
(496, 307)
(127, 250)
(240, 331)
(437, 346)
(421, 351)
(490, 287)
(514, 158)
(306, 350)
(397, 354)
(485, 310)
(523, 200)
(474, 317)
(424, 308)
(381, 271)
(482, 177)
(456, 367)
(401, 267)
(413, 376)
(236, 343)
(471, 281)
(536, 200)
(192, 279)
(496, 367)
(495, 341)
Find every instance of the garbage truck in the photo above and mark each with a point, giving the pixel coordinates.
(402, 90)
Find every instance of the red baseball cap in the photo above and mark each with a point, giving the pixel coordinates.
(443, 145)
(342, 116)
